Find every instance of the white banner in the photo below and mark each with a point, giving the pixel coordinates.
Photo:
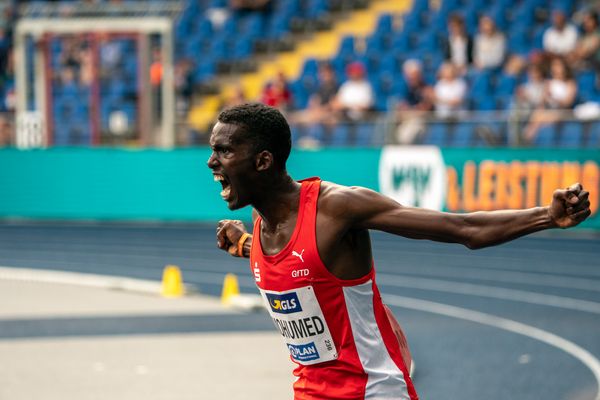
(30, 130)
(413, 176)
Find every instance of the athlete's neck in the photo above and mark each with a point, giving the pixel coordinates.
(277, 201)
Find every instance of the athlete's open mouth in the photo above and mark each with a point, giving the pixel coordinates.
(226, 185)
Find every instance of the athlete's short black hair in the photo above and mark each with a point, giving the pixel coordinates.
(265, 127)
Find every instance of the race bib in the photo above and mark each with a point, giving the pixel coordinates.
(299, 318)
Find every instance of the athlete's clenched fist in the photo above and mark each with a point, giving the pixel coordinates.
(229, 234)
(569, 206)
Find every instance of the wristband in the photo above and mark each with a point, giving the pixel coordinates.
(240, 244)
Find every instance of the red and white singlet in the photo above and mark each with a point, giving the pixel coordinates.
(337, 331)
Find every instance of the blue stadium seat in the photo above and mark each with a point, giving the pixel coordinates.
(365, 134)
(506, 85)
(546, 136)
(593, 139)
(346, 46)
(571, 134)
(339, 135)
(463, 135)
(385, 24)
(436, 134)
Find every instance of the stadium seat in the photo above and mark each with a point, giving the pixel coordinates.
(546, 136)
(593, 140)
(462, 135)
(571, 134)
(365, 134)
(436, 134)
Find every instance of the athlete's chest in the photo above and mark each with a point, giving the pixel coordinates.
(294, 267)
(274, 238)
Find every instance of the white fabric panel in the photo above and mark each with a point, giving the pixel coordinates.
(385, 381)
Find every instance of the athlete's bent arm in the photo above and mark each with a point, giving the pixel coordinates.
(231, 238)
(366, 209)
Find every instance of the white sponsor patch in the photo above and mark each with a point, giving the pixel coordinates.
(413, 176)
(299, 319)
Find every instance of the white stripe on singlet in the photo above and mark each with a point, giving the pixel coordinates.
(385, 380)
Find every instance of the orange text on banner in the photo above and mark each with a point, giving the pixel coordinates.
(494, 185)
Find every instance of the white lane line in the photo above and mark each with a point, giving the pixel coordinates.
(471, 289)
(541, 335)
(81, 279)
(507, 277)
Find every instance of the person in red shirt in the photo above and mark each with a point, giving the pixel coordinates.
(277, 94)
(310, 255)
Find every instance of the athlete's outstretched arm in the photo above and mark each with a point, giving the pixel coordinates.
(366, 209)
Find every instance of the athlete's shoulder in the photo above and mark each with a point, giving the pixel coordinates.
(341, 200)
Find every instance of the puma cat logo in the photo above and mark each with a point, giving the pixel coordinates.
(295, 254)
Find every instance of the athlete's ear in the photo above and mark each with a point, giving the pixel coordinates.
(264, 160)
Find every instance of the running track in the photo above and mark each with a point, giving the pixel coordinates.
(518, 321)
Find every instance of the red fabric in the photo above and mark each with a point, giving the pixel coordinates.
(344, 376)
(400, 336)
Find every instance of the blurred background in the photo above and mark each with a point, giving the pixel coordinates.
(106, 107)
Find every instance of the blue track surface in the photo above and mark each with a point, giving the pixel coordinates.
(549, 282)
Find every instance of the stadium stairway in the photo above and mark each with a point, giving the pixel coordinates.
(322, 45)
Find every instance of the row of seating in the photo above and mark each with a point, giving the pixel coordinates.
(421, 37)
(569, 134)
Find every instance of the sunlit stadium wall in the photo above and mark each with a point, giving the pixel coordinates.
(156, 185)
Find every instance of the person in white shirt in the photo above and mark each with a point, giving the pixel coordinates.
(449, 91)
(355, 96)
(560, 94)
(490, 45)
(458, 46)
(561, 38)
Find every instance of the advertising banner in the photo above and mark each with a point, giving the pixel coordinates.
(118, 184)
(487, 179)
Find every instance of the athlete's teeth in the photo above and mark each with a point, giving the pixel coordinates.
(225, 192)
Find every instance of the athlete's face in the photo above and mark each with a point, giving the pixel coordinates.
(232, 164)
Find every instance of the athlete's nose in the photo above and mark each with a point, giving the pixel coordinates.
(212, 161)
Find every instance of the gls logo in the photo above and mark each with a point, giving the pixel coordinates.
(284, 303)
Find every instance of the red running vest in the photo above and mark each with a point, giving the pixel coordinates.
(337, 331)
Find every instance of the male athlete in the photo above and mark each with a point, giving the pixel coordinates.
(310, 255)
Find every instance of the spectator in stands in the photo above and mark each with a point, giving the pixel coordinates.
(413, 108)
(355, 97)
(490, 45)
(560, 93)
(156, 68)
(449, 92)
(69, 56)
(561, 38)
(86, 66)
(320, 104)
(530, 95)
(277, 94)
(586, 54)
(68, 82)
(184, 84)
(110, 55)
(5, 46)
(236, 98)
(5, 131)
(251, 5)
(458, 47)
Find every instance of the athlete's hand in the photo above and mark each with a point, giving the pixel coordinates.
(229, 232)
(569, 206)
